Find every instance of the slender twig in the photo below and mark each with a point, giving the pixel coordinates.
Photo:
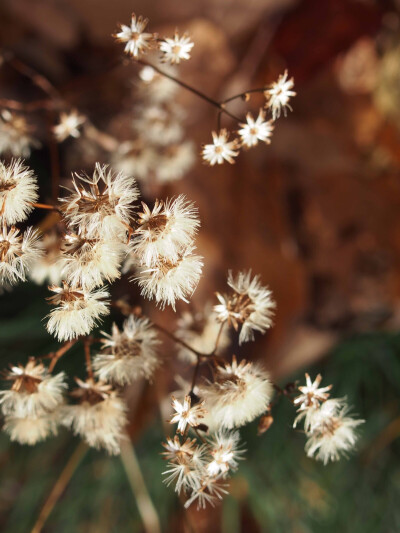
(195, 374)
(60, 486)
(145, 506)
(178, 341)
(55, 356)
(88, 360)
(44, 206)
(193, 90)
(244, 94)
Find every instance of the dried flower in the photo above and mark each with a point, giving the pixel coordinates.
(249, 308)
(256, 130)
(34, 391)
(68, 126)
(279, 94)
(169, 281)
(186, 414)
(99, 418)
(221, 150)
(311, 395)
(31, 430)
(225, 453)
(103, 209)
(18, 191)
(89, 262)
(211, 490)
(186, 465)
(165, 231)
(239, 394)
(137, 41)
(15, 135)
(176, 49)
(129, 354)
(17, 253)
(331, 433)
(77, 312)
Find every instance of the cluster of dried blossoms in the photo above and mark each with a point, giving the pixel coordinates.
(101, 233)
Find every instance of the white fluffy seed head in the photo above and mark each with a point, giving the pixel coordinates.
(250, 308)
(165, 231)
(78, 311)
(99, 418)
(101, 206)
(168, 282)
(176, 49)
(16, 135)
(18, 191)
(239, 394)
(136, 40)
(34, 392)
(255, 130)
(221, 149)
(129, 354)
(17, 253)
(279, 94)
(90, 262)
(30, 430)
(331, 432)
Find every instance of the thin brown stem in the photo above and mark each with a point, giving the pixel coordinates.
(178, 341)
(44, 206)
(88, 360)
(145, 506)
(193, 90)
(244, 94)
(55, 356)
(29, 107)
(195, 374)
(60, 486)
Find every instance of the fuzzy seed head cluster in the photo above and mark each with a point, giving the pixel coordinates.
(175, 49)
(16, 135)
(278, 95)
(163, 244)
(128, 354)
(255, 130)
(138, 42)
(331, 432)
(68, 125)
(199, 470)
(18, 251)
(238, 394)
(99, 417)
(77, 312)
(31, 405)
(221, 149)
(101, 204)
(249, 308)
(18, 191)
